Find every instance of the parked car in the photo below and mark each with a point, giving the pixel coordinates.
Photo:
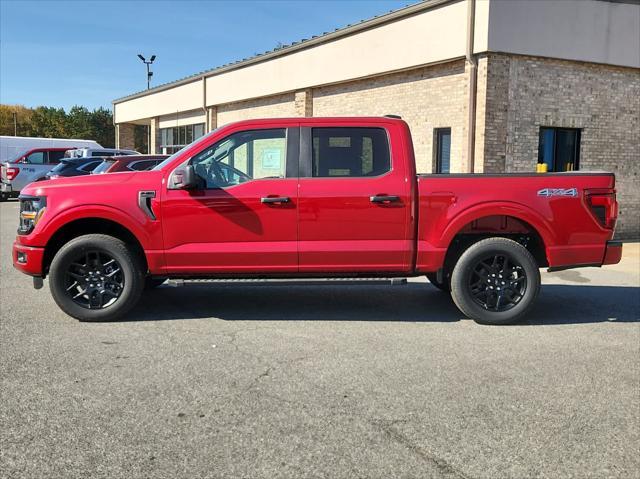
(12, 148)
(30, 165)
(74, 167)
(84, 152)
(330, 197)
(128, 163)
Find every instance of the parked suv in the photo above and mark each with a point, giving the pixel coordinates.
(74, 167)
(128, 163)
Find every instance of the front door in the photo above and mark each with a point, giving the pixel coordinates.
(244, 218)
(355, 202)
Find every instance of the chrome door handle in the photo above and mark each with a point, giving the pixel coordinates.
(275, 199)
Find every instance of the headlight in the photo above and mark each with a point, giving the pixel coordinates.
(31, 210)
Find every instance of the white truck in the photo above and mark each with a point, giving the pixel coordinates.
(24, 159)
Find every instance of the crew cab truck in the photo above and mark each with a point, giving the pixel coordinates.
(310, 197)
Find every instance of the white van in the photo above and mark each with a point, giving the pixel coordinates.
(12, 147)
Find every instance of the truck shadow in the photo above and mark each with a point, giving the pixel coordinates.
(413, 302)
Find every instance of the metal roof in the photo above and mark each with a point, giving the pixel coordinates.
(296, 46)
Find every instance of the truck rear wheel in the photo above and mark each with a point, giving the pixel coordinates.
(96, 277)
(495, 281)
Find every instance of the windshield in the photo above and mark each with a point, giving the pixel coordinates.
(159, 166)
(103, 167)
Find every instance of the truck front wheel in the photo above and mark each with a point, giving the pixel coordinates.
(96, 277)
(495, 281)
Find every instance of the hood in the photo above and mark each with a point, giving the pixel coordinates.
(85, 183)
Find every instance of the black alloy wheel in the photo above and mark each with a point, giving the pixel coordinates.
(495, 281)
(498, 282)
(97, 277)
(94, 280)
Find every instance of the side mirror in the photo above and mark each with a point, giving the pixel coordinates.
(185, 178)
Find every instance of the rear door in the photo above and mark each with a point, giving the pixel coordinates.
(355, 201)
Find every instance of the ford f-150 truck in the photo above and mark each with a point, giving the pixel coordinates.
(311, 197)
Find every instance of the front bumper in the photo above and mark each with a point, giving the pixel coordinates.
(28, 259)
(612, 252)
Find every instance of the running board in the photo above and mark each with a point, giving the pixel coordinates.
(291, 282)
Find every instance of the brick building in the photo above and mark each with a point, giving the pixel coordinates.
(486, 86)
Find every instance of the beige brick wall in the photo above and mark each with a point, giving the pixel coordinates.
(270, 107)
(525, 93)
(125, 136)
(427, 98)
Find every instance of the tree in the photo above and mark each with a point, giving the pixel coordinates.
(51, 122)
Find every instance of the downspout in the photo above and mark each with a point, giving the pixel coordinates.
(473, 84)
(204, 104)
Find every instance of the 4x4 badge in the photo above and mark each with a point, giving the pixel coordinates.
(547, 192)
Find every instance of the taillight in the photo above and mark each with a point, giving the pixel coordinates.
(12, 172)
(603, 206)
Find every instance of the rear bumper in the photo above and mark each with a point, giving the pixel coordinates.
(28, 259)
(613, 252)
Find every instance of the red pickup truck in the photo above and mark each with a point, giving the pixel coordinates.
(311, 197)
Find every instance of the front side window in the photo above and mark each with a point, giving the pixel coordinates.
(559, 148)
(350, 152)
(37, 158)
(243, 156)
(442, 157)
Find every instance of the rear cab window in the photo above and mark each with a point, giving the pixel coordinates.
(349, 152)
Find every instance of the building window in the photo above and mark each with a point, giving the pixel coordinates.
(350, 152)
(173, 139)
(442, 140)
(559, 148)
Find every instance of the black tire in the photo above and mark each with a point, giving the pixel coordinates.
(66, 269)
(152, 283)
(442, 286)
(494, 291)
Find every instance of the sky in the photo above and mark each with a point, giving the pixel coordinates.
(65, 53)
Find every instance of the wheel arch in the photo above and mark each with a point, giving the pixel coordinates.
(504, 219)
(89, 225)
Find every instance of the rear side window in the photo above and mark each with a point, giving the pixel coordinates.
(56, 156)
(350, 152)
(88, 167)
(142, 165)
(104, 166)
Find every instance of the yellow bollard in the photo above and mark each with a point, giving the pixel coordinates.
(541, 168)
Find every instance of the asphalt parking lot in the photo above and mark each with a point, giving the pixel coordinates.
(278, 380)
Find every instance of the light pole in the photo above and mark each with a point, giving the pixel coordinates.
(149, 73)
